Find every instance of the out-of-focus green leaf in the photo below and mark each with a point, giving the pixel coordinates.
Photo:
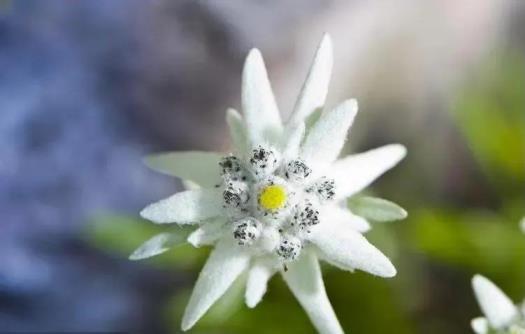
(491, 114)
(376, 209)
(478, 241)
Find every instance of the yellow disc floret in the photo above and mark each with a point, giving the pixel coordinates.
(273, 197)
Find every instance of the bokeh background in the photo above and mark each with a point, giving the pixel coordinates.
(89, 87)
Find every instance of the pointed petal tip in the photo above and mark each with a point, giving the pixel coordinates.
(400, 149)
(498, 308)
(479, 281)
(477, 278)
(386, 269)
(480, 325)
(186, 325)
(390, 271)
(251, 303)
(134, 257)
(254, 55)
(326, 42)
(350, 105)
(192, 240)
(252, 300)
(146, 213)
(151, 213)
(230, 112)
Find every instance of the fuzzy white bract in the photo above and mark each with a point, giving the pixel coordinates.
(502, 316)
(278, 202)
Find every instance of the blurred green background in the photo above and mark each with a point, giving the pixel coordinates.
(91, 87)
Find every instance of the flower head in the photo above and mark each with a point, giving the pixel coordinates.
(276, 204)
(501, 315)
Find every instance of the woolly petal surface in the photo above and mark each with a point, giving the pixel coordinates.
(315, 88)
(480, 325)
(293, 141)
(224, 265)
(207, 233)
(327, 136)
(306, 283)
(258, 276)
(336, 215)
(158, 245)
(496, 306)
(355, 172)
(349, 250)
(263, 122)
(187, 207)
(199, 167)
(237, 131)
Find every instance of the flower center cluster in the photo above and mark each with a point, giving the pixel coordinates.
(272, 203)
(273, 197)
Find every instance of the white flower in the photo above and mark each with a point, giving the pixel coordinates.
(501, 315)
(277, 204)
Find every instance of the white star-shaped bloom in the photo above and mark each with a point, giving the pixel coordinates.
(502, 316)
(278, 202)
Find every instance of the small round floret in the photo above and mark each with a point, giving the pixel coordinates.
(290, 248)
(246, 231)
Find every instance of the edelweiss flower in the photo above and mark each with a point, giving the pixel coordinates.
(501, 315)
(277, 204)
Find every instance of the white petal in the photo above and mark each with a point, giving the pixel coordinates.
(327, 136)
(480, 325)
(349, 250)
(336, 215)
(158, 245)
(496, 306)
(190, 185)
(237, 131)
(293, 142)
(376, 209)
(260, 272)
(187, 207)
(315, 88)
(199, 167)
(522, 224)
(207, 233)
(224, 265)
(355, 172)
(306, 283)
(263, 122)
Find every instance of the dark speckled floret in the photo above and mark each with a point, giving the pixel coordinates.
(324, 189)
(232, 168)
(262, 160)
(305, 216)
(297, 170)
(246, 231)
(289, 248)
(235, 194)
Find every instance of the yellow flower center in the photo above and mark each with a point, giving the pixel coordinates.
(273, 197)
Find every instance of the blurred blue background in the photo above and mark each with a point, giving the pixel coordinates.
(89, 87)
